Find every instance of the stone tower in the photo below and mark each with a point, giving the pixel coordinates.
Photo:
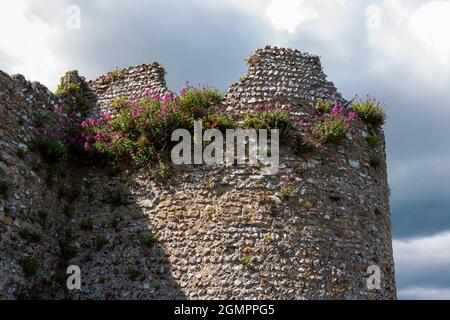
(222, 232)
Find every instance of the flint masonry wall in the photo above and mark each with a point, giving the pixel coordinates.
(281, 75)
(23, 107)
(225, 233)
(127, 82)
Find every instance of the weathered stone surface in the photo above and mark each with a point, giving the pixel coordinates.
(222, 232)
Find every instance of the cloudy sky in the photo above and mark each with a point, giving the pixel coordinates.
(396, 50)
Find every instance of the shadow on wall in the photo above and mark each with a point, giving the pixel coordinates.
(120, 255)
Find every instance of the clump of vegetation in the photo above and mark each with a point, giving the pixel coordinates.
(373, 141)
(113, 75)
(270, 237)
(218, 121)
(43, 117)
(87, 224)
(68, 249)
(334, 126)
(309, 206)
(116, 219)
(324, 106)
(251, 60)
(247, 260)
(119, 103)
(149, 239)
(115, 196)
(370, 111)
(30, 266)
(140, 131)
(276, 119)
(161, 171)
(331, 130)
(6, 187)
(71, 90)
(100, 242)
(287, 192)
(198, 100)
(52, 150)
(31, 234)
(65, 91)
(243, 78)
(375, 161)
(289, 187)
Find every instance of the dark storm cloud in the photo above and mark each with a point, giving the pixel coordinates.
(193, 42)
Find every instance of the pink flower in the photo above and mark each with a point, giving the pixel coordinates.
(289, 180)
(352, 116)
(164, 110)
(300, 123)
(87, 147)
(84, 124)
(91, 121)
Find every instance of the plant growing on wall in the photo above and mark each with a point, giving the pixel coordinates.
(371, 111)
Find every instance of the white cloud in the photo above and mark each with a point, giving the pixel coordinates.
(287, 15)
(423, 253)
(26, 42)
(403, 31)
(430, 24)
(373, 17)
(424, 293)
(423, 260)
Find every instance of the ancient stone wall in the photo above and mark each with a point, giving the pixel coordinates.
(281, 75)
(128, 82)
(226, 232)
(28, 207)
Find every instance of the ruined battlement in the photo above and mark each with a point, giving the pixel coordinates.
(211, 232)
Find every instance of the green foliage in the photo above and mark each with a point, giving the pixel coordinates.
(331, 129)
(287, 192)
(87, 224)
(43, 117)
(276, 119)
(371, 112)
(247, 260)
(113, 75)
(31, 234)
(65, 91)
(219, 122)
(115, 196)
(35, 162)
(243, 78)
(119, 103)
(302, 144)
(373, 141)
(149, 239)
(30, 266)
(251, 60)
(100, 242)
(324, 106)
(68, 249)
(309, 206)
(52, 150)
(116, 219)
(197, 101)
(161, 172)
